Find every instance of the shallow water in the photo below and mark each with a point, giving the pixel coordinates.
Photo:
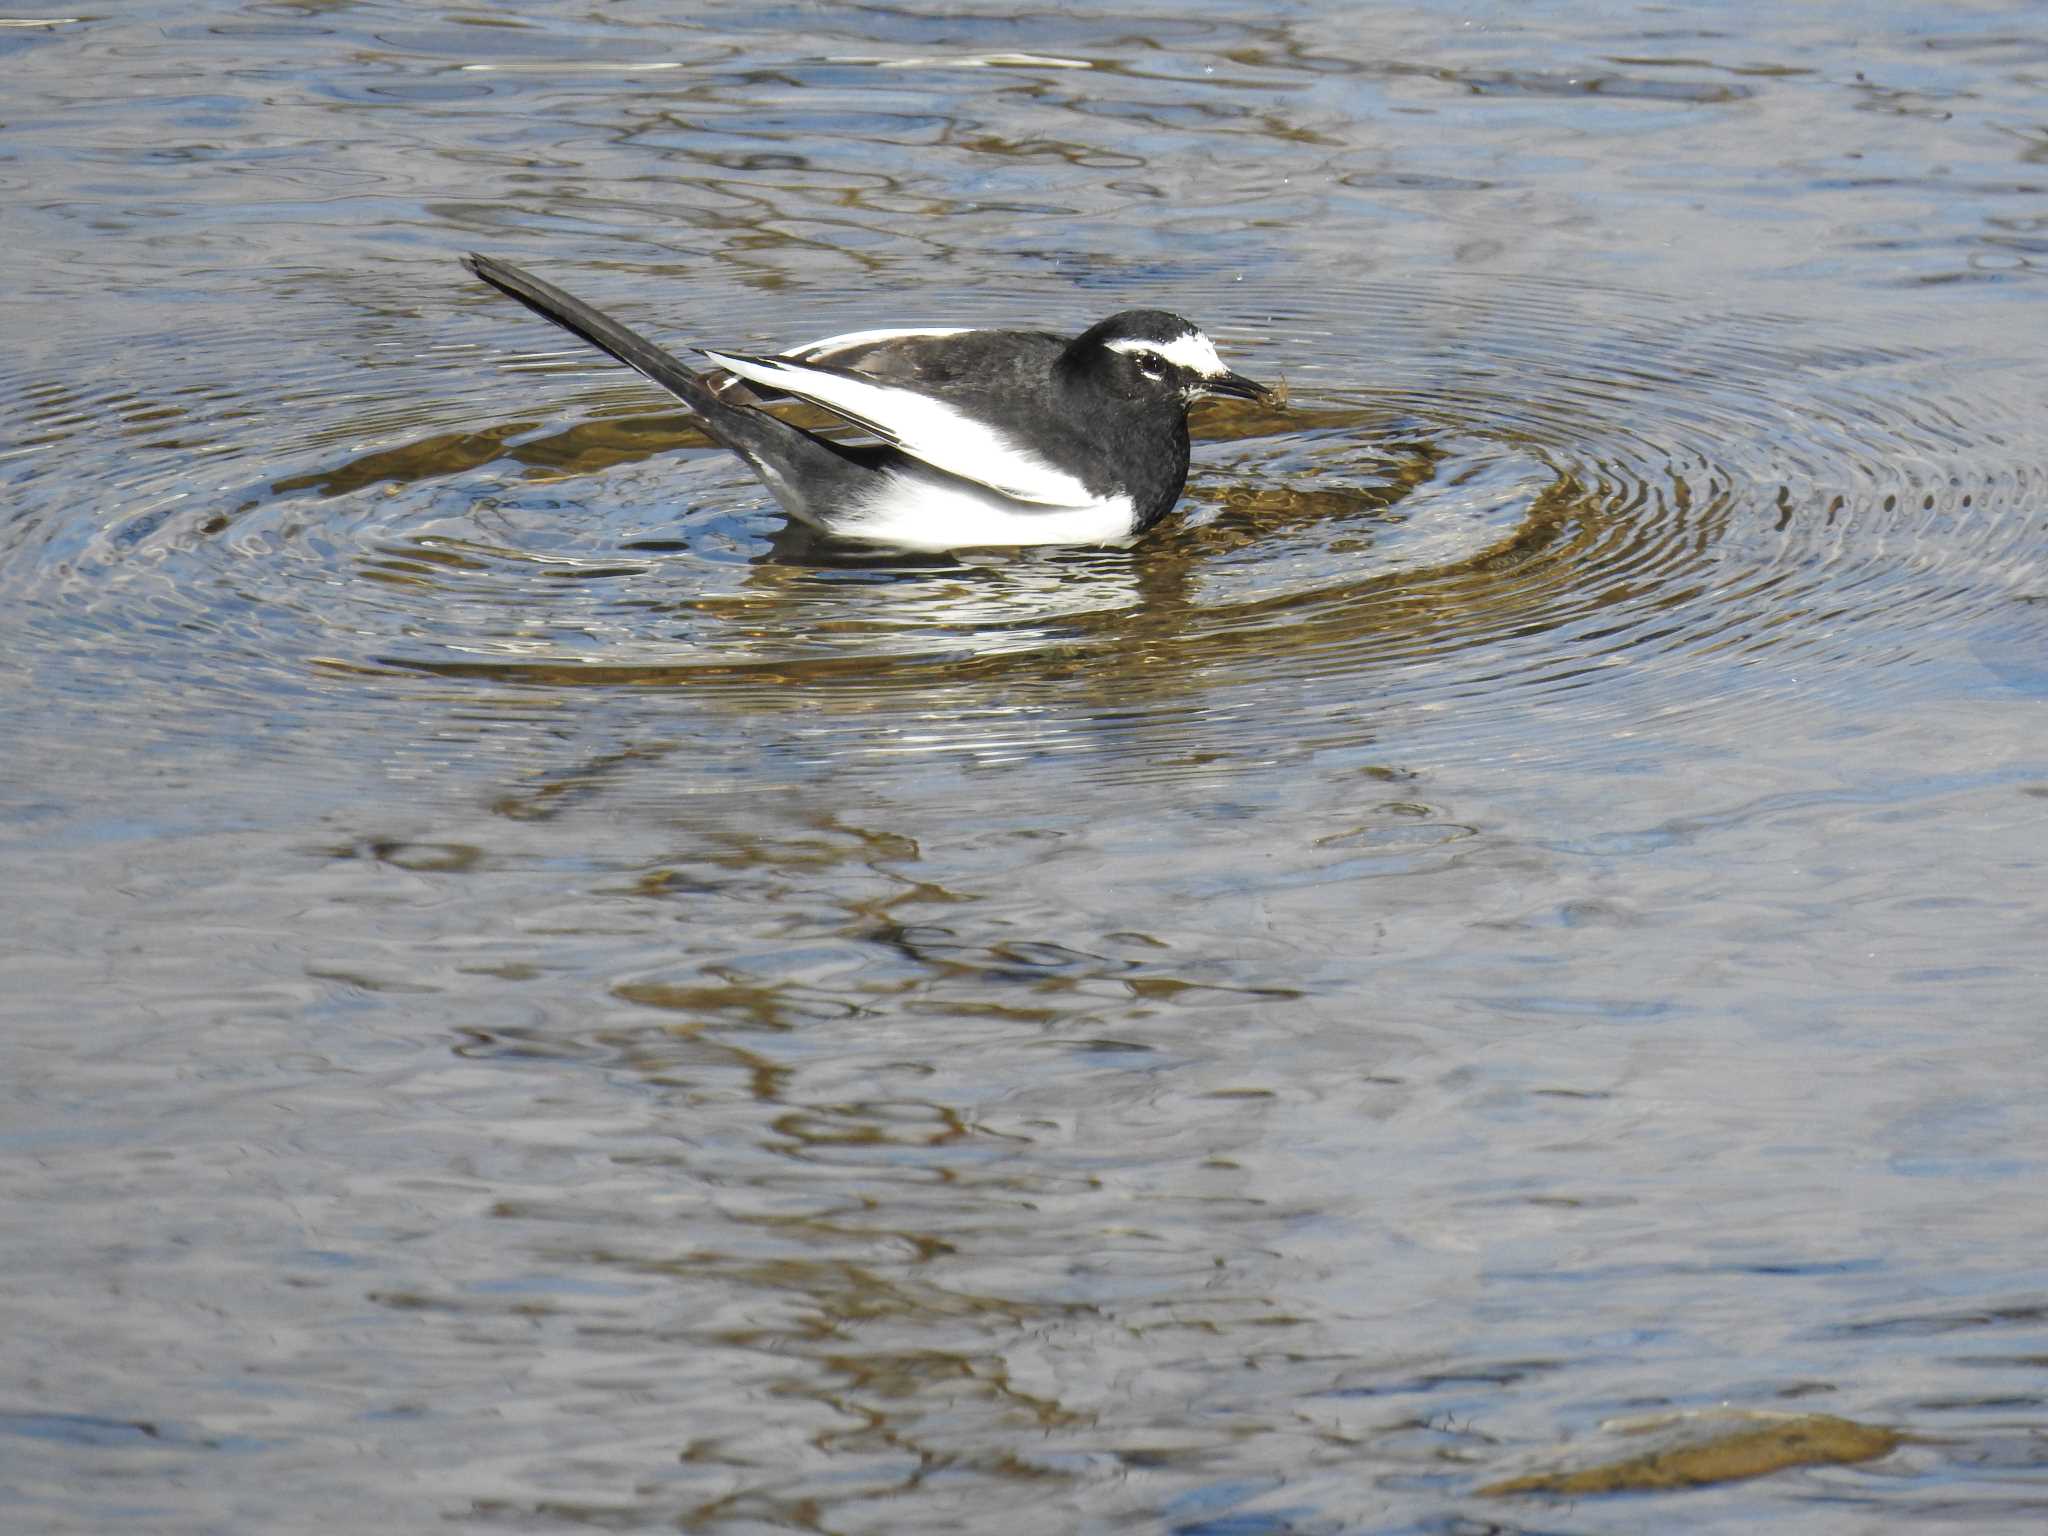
(537, 1001)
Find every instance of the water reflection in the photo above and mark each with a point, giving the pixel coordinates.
(1516, 909)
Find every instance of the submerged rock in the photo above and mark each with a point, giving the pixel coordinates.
(1751, 1446)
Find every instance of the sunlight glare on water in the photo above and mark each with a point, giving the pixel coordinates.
(1511, 923)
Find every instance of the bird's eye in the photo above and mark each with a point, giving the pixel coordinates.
(1150, 364)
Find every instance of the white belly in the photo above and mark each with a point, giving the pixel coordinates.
(942, 512)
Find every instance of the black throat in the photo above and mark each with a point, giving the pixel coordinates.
(1117, 438)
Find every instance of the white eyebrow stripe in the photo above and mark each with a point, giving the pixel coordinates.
(1194, 352)
(922, 427)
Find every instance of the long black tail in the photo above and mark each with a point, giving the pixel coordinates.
(813, 477)
(597, 328)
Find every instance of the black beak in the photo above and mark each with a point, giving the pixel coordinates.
(1236, 384)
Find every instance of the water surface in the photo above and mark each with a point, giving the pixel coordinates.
(536, 1001)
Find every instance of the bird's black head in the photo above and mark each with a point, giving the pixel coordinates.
(1151, 355)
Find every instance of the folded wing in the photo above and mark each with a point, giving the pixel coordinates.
(921, 425)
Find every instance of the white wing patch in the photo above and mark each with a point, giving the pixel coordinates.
(1193, 351)
(821, 350)
(922, 427)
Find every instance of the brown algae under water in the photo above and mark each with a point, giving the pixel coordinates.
(537, 1000)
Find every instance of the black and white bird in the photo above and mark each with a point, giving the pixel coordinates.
(985, 437)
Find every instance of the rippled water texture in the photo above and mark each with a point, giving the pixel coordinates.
(537, 1001)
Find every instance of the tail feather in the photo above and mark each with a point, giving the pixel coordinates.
(595, 327)
(811, 476)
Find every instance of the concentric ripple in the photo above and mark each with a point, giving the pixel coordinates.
(1530, 524)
